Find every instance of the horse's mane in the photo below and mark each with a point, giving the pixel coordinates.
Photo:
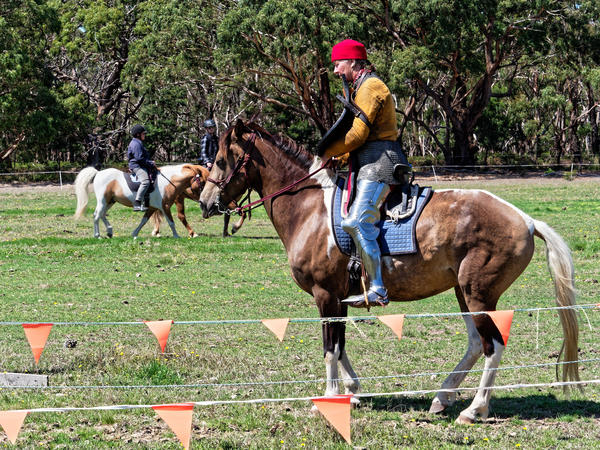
(284, 143)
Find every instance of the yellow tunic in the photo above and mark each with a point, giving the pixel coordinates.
(375, 99)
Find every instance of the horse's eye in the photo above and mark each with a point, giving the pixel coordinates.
(221, 163)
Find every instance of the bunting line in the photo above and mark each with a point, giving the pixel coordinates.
(307, 319)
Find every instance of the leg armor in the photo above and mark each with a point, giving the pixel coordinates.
(361, 225)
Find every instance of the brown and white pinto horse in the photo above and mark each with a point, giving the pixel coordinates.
(110, 187)
(469, 240)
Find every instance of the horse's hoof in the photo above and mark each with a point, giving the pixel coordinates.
(354, 402)
(437, 407)
(464, 420)
(234, 230)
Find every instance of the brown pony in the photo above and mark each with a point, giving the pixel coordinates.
(469, 240)
(192, 193)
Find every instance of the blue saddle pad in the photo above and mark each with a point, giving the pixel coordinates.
(394, 238)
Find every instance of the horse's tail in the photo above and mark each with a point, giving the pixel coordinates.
(560, 264)
(82, 182)
(157, 219)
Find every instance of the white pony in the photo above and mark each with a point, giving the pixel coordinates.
(110, 186)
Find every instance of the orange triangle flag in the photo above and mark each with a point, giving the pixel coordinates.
(12, 421)
(503, 321)
(161, 329)
(179, 418)
(37, 335)
(277, 326)
(337, 412)
(395, 322)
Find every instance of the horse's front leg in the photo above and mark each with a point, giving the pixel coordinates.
(334, 342)
(181, 216)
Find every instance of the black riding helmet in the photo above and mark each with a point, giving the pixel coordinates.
(136, 130)
(209, 123)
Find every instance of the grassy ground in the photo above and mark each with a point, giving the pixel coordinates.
(52, 270)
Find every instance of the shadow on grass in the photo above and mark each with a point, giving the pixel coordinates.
(522, 407)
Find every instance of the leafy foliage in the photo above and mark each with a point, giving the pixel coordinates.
(75, 75)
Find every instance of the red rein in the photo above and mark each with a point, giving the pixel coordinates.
(242, 162)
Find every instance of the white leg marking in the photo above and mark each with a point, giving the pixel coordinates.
(474, 351)
(350, 378)
(331, 367)
(481, 403)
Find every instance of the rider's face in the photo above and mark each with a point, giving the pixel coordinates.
(344, 67)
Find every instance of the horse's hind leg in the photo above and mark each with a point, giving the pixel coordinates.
(474, 351)
(147, 215)
(481, 403)
(99, 213)
(109, 228)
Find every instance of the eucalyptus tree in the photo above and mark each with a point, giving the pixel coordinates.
(277, 53)
(459, 51)
(28, 108)
(171, 66)
(90, 53)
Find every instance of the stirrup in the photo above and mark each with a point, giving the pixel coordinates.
(374, 299)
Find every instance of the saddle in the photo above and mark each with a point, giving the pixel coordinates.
(400, 213)
(133, 184)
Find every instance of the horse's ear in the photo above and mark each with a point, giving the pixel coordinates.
(240, 128)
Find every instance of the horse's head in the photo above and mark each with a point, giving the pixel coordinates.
(228, 178)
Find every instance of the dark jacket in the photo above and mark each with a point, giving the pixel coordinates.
(209, 145)
(138, 156)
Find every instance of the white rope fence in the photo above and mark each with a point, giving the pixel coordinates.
(307, 399)
(290, 382)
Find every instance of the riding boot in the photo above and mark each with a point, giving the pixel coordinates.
(361, 224)
(139, 206)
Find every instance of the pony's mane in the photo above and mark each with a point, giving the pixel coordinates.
(284, 143)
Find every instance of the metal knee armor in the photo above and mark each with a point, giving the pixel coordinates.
(361, 224)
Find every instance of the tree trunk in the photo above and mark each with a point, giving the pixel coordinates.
(463, 152)
(592, 117)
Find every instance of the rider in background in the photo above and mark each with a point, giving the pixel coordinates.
(140, 164)
(375, 155)
(209, 145)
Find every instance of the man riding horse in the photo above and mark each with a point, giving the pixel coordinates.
(374, 153)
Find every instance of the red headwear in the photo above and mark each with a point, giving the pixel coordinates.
(348, 49)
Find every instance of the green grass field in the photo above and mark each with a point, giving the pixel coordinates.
(53, 270)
